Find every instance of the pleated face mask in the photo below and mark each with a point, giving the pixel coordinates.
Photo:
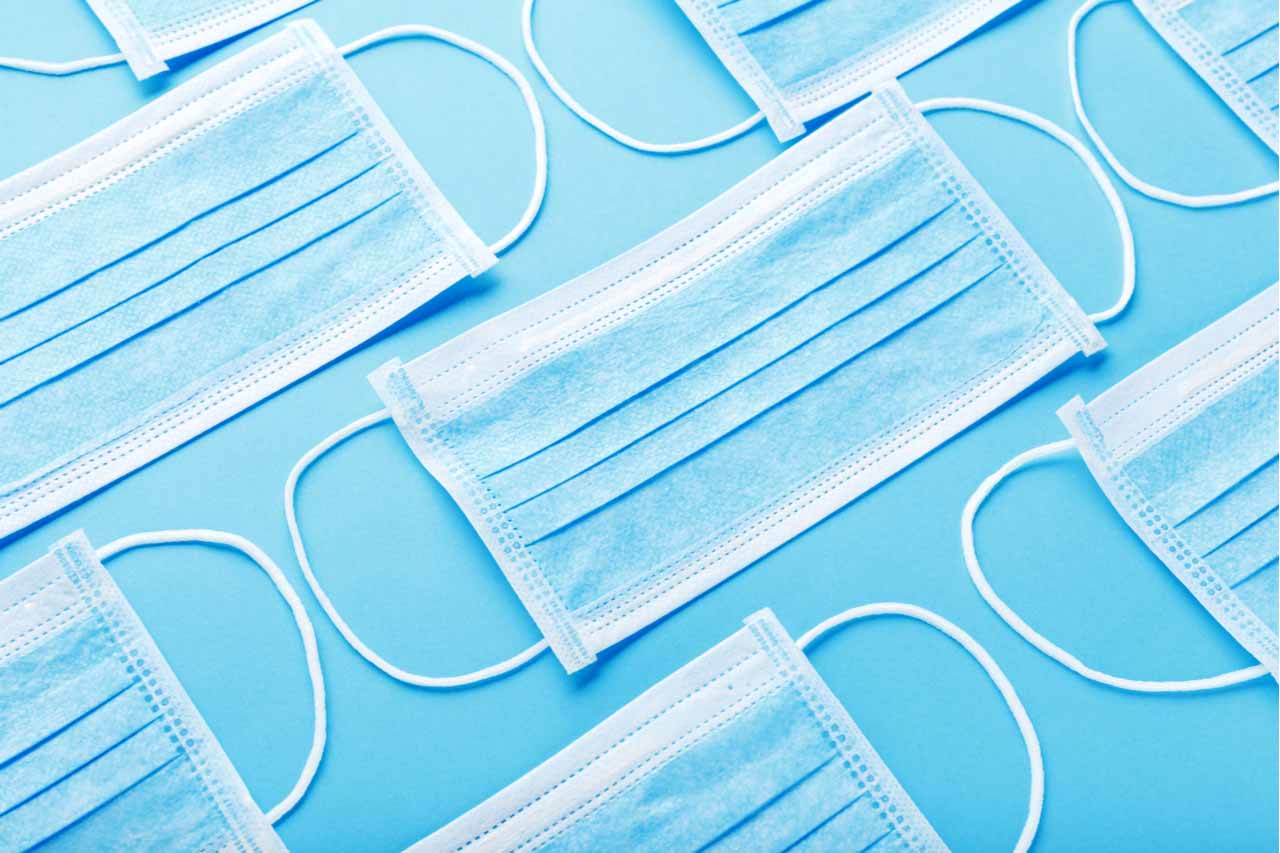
(632, 438)
(800, 59)
(1185, 450)
(150, 32)
(100, 747)
(218, 245)
(1233, 46)
(745, 748)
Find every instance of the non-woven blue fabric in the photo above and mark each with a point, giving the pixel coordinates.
(212, 248)
(1186, 450)
(799, 59)
(100, 747)
(637, 435)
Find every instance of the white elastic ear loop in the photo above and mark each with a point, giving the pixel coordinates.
(1036, 639)
(609, 130)
(1036, 800)
(522, 83)
(60, 69)
(1095, 169)
(353, 639)
(1149, 190)
(305, 631)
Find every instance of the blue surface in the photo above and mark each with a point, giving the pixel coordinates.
(1124, 772)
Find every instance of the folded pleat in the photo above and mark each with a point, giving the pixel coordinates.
(1248, 551)
(854, 223)
(1259, 592)
(1267, 86)
(1227, 24)
(857, 828)
(746, 400)
(779, 335)
(100, 229)
(792, 814)
(235, 262)
(746, 15)
(1244, 502)
(1255, 56)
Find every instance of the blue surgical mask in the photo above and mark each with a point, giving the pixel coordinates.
(1232, 45)
(632, 438)
(216, 246)
(745, 748)
(1186, 451)
(150, 32)
(800, 59)
(100, 747)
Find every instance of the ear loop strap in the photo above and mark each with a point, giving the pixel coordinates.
(1038, 640)
(1036, 800)
(526, 92)
(300, 618)
(609, 130)
(353, 639)
(61, 69)
(1078, 148)
(1149, 190)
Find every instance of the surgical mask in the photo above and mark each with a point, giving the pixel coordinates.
(100, 747)
(149, 32)
(1186, 451)
(800, 59)
(1232, 45)
(213, 248)
(632, 438)
(745, 748)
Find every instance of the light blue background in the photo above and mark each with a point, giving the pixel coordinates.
(1124, 772)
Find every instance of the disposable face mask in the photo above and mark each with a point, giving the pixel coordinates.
(1232, 45)
(149, 32)
(800, 59)
(216, 246)
(1185, 450)
(630, 439)
(100, 747)
(745, 748)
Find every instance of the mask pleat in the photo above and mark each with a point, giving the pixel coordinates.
(713, 782)
(749, 399)
(139, 208)
(238, 261)
(821, 37)
(1200, 460)
(632, 539)
(53, 686)
(1245, 502)
(1227, 25)
(793, 813)
(857, 828)
(747, 15)
(73, 747)
(196, 239)
(1260, 592)
(1256, 57)
(794, 259)
(100, 781)
(932, 244)
(1253, 548)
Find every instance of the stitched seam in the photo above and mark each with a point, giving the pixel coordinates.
(29, 595)
(1168, 545)
(824, 83)
(853, 134)
(796, 208)
(292, 346)
(75, 167)
(606, 613)
(108, 609)
(657, 760)
(1192, 365)
(517, 564)
(211, 18)
(636, 730)
(33, 635)
(1194, 404)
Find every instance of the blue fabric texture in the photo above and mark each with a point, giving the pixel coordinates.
(271, 221)
(100, 747)
(745, 748)
(646, 430)
(1187, 450)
